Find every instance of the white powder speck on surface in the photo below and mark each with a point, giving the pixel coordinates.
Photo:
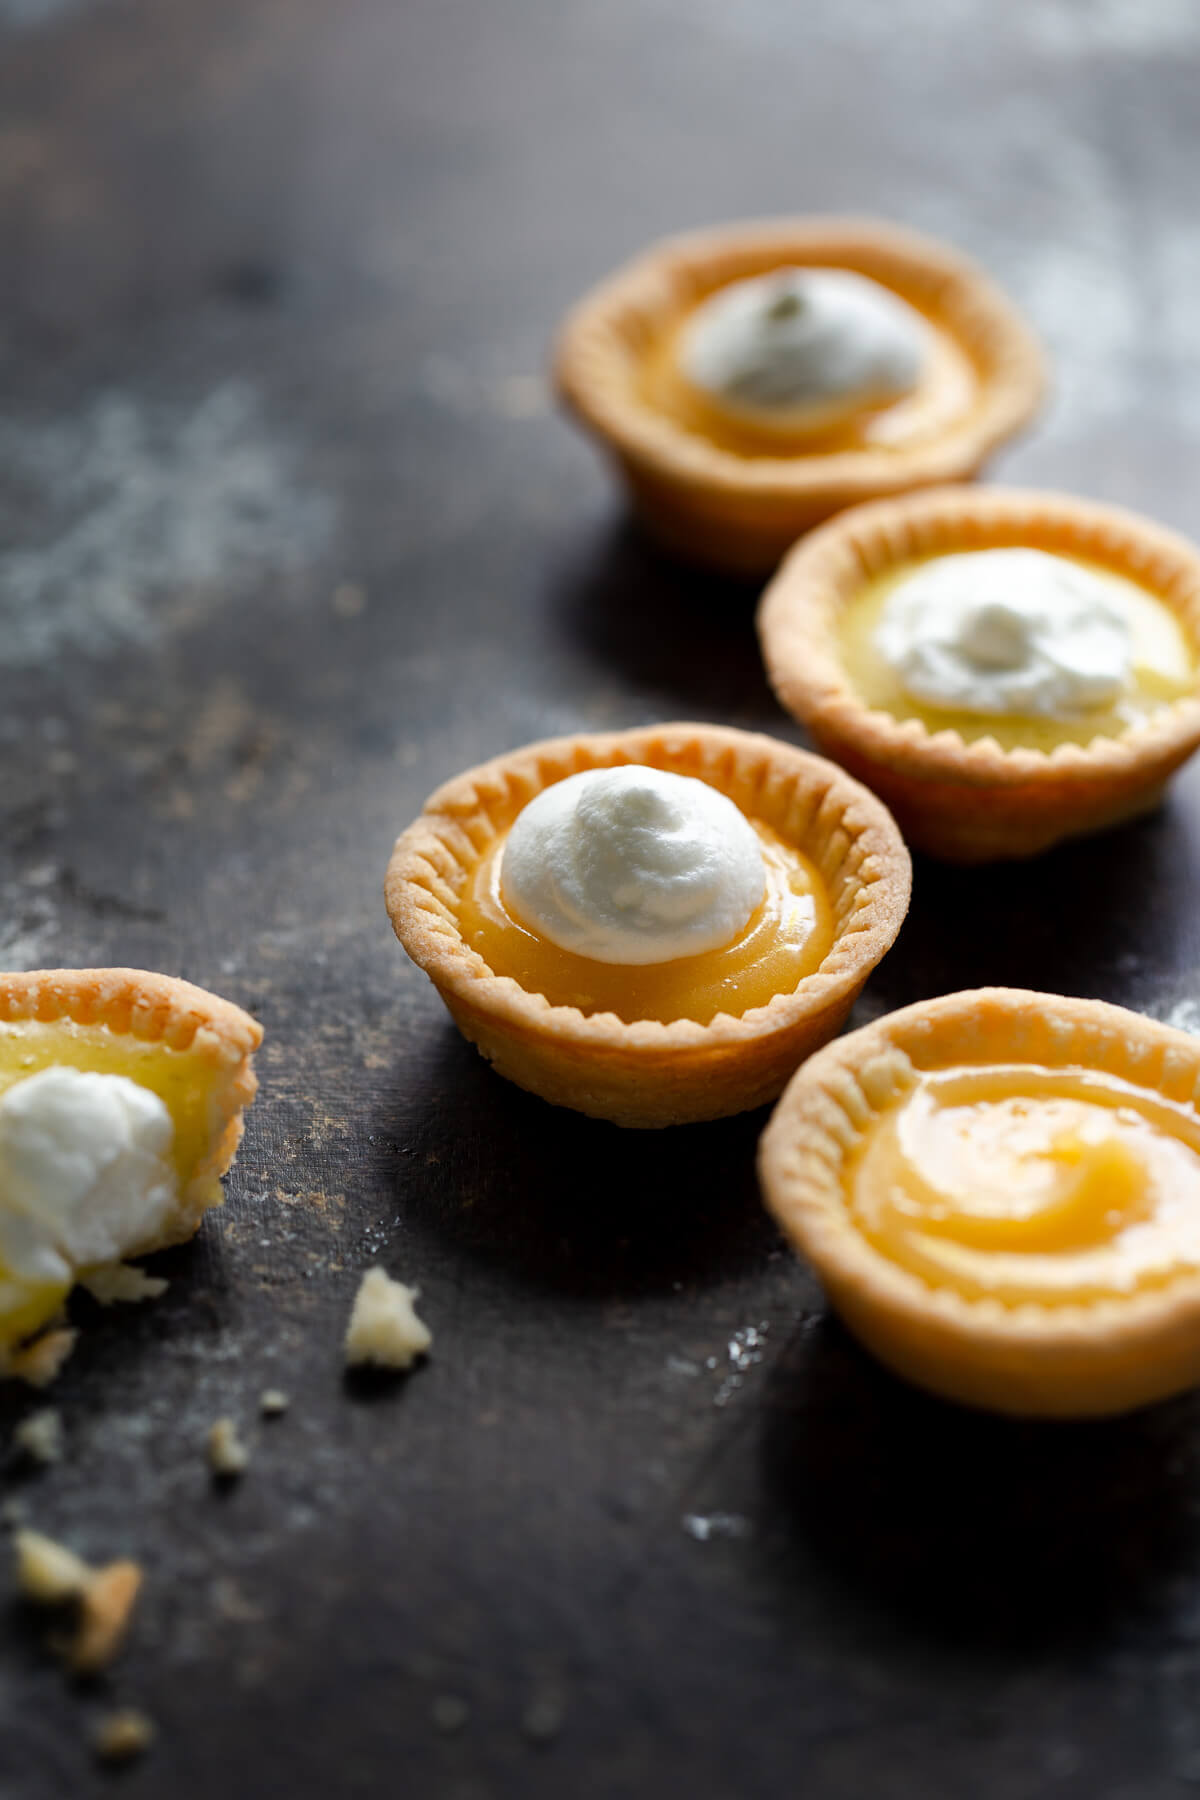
(1049, 28)
(704, 1526)
(1183, 1015)
(29, 928)
(28, 15)
(133, 504)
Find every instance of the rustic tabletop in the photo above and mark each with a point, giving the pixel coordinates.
(289, 533)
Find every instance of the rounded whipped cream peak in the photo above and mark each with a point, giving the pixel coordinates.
(1007, 631)
(633, 865)
(85, 1174)
(801, 338)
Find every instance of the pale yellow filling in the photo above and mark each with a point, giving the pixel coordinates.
(785, 939)
(1031, 1184)
(1164, 670)
(946, 393)
(182, 1080)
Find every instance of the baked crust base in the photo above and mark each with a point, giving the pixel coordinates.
(157, 1009)
(1106, 1356)
(650, 1074)
(739, 512)
(975, 802)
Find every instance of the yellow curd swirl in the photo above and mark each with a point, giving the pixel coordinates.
(1027, 1184)
(785, 939)
(1164, 669)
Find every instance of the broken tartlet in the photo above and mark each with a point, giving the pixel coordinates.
(1005, 669)
(750, 380)
(121, 1100)
(1000, 1191)
(651, 926)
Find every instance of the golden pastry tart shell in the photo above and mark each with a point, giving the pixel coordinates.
(975, 802)
(149, 1009)
(742, 512)
(1063, 1361)
(648, 1073)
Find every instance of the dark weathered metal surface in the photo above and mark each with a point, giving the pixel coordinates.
(288, 534)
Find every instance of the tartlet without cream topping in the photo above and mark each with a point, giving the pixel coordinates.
(646, 1072)
(1082, 1344)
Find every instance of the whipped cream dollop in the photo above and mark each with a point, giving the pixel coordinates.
(85, 1174)
(804, 339)
(633, 865)
(1008, 631)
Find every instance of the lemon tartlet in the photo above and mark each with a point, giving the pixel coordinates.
(1016, 777)
(1000, 1191)
(728, 461)
(121, 1101)
(696, 1036)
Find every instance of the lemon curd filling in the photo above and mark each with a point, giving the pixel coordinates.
(947, 391)
(1026, 1184)
(180, 1078)
(1163, 669)
(786, 938)
(177, 1077)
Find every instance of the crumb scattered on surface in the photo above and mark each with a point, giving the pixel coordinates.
(119, 1282)
(384, 1329)
(543, 1718)
(227, 1454)
(51, 1575)
(106, 1608)
(14, 1512)
(449, 1713)
(122, 1735)
(38, 1363)
(48, 1573)
(348, 600)
(40, 1436)
(230, 1600)
(272, 1402)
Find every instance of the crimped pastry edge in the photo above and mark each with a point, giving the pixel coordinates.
(648, 1072)
(744, 508)
(1105, 1356)
(152, 1009)
(940, 785)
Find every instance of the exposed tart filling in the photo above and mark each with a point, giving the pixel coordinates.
(664, 869)
(99, 1137)
(1019, 645)
(1027, 1184)
(804, 360)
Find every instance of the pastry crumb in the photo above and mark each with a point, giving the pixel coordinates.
(51, 1575)
(38, 1363)
(543, 1718)
(449, 1713)
(106, 1608)
(384, 1330)
(47, 1572)
(122, 1735)
(227, 1454)
(120, 1282)
(348, 600)
(272, 1402)
(40, 1436)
